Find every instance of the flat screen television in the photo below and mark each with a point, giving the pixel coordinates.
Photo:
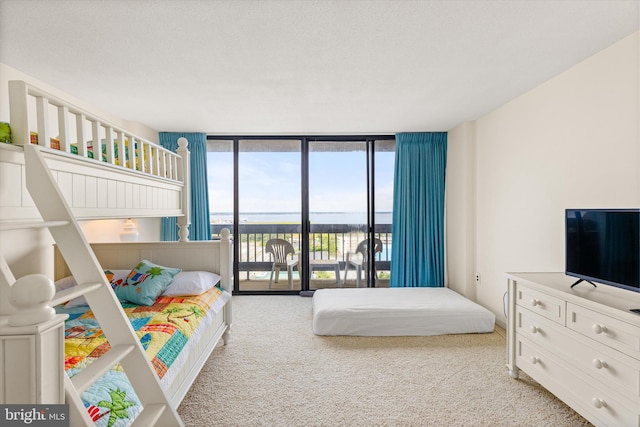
(603, 246)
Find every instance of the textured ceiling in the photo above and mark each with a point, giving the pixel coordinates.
(313, 67)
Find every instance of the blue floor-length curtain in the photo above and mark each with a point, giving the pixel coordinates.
(199, 228)
(417, 253)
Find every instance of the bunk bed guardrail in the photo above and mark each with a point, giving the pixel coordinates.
(95, 138)
(115, 174)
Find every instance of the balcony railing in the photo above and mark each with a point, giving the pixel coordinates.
(326, 241)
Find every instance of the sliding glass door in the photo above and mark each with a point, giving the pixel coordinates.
(384, 155)
(305, 212)
(269, 215)
(350, 211)
(337, 212)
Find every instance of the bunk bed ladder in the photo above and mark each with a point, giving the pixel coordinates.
(84, 266)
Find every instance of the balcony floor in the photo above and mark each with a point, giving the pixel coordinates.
(282, 285)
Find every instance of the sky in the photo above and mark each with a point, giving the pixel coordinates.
(270, 181)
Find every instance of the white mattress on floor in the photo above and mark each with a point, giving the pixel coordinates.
(397, 312)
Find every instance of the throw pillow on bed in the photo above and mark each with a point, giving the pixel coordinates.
(191, 283)
(113, 276)
(146, 282)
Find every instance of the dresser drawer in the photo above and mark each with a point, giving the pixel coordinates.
(546, 333)
(599, 361)
(607, 330)
(538, 302)
(600, 404)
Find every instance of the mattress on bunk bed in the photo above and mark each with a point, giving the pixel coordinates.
(167, 330)
(397, 312)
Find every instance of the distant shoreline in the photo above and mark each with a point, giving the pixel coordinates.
(295, 217)
(298, 213)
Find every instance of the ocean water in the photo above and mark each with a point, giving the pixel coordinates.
(294, 217)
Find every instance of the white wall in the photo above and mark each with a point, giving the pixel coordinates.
(574, 141)
(460, 207)
(108, 230)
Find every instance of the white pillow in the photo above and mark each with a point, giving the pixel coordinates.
(70, 281)
(65, 283)
(191, 283)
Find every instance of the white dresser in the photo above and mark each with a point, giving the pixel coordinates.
(582, 344)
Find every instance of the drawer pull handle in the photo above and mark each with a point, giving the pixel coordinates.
(599, 364)
(534, 329)
(535, 360)
(599, 403)
(535, 302)
(599, 329)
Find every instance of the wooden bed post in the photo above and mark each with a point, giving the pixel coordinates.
(226, 273)
(184, 174)
(32, 345)
(226, 259)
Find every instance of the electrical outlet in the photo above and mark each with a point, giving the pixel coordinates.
(477, 278)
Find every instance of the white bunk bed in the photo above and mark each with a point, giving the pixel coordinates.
(54, 184)
(210, 256)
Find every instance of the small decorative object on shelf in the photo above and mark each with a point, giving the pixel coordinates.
(129, 232)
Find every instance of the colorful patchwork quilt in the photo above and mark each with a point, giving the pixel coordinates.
(163, 329)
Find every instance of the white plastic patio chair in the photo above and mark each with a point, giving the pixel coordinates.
(280, 250)
(358, 259)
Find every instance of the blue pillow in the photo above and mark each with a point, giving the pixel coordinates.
(145, 283)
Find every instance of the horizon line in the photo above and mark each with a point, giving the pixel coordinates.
(282, 213)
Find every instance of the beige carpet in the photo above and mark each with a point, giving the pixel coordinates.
(276, 372)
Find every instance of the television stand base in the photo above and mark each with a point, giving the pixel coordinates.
(583, 280)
